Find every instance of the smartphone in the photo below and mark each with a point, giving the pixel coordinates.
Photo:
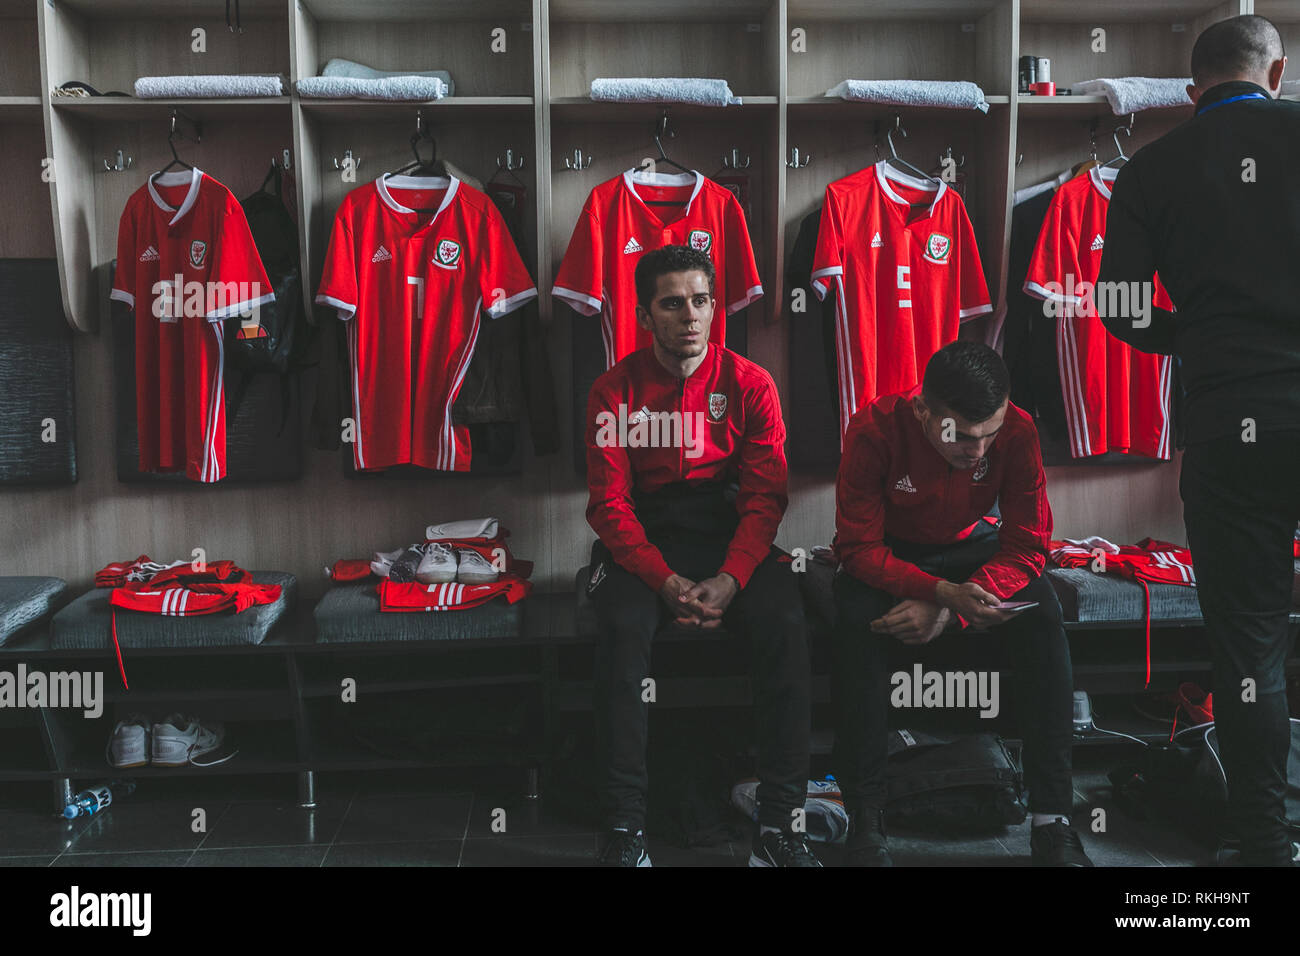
(1014, 606)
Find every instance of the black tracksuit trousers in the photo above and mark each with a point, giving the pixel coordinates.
(1035, 642)
(1241, 502)
(768, 612)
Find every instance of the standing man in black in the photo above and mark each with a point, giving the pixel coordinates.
(1214, 207)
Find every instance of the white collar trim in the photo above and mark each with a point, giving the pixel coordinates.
(1102, 177)
(633, 176)
(885, 172)
(449, 183)
(181, 177)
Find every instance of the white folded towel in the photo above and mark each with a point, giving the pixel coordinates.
(467, 528)
(172, 87)
(663, 89)
(959, 94)
(359, 71)
(385, 88)
(1132, 94)
(1291, 87)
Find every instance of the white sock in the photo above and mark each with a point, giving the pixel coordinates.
(1042, 819)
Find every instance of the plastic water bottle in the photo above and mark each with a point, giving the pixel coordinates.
(97, 798)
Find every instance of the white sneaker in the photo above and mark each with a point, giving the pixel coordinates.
(383, 561)
(475, 569)
(129, 745)
(438, 566)
(179, 740)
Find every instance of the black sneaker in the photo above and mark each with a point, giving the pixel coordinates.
(625, 848)
(1055, 844)
(781, 848)
(404, 568)
(866, 845)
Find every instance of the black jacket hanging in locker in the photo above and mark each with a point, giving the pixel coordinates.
(510, 373)
(1029, 343)
(814, 411)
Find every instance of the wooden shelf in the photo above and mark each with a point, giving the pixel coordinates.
(390, 11)
(570, 109)
(813, 10)
(643, 11)
(457, 108)
(1097, 12)
(1076, 107)
(119, 109)
(804, 107)
(20, 109)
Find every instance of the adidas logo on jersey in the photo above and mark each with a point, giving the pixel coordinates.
(632, 246)
(876, 241)
(149, 255)
(905, 484)
(381, 255)
(1097, 242)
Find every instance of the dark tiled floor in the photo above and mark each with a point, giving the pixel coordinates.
(474, 820)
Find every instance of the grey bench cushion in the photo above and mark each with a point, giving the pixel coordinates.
(1089, 597)
(349, 614)
(87, 622)
(24, 601)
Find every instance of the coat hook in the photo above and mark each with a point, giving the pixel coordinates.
(286, 162)
(120, 163)
(348, 161)
(577, 161)
(794, 162)
(733, 161)
(1020, 158)
(510, 163)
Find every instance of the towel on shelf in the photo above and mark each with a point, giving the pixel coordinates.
(176, 87)
(359, 71)
(959, 94)
(1291, 87)
(1132, 94)
(663, 89)
(385, 88)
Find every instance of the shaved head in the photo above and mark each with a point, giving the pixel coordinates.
(1239, 48)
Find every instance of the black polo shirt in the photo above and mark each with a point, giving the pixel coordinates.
(1228, 250)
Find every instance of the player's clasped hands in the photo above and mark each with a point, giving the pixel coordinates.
(699, 605)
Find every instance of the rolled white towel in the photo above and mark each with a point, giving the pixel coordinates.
(466, 528)
(1132, 94)
(387, 88)
(953, 94)
(359, 71)
(173, 87)
(1291, 87)
(663, 89)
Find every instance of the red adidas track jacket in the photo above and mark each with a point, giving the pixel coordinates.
(893, 482)
(729, 419)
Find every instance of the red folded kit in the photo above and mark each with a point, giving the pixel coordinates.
(193, 599)
(450, 597)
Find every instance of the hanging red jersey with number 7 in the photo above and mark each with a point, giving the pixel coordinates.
(411, 264)
(899, 254)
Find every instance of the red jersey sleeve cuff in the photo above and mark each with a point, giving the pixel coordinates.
(740, 566)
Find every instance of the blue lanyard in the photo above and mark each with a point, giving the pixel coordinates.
(1232, 99)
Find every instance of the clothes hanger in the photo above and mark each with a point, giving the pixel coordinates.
(1091, 161)
(171, 144)
(420, 166)
(661, 131)
(1119, 159)
(897, 161)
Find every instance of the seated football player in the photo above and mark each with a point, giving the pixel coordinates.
(687, 476)
(920, 472)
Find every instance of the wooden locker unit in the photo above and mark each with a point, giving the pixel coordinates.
(533, 99)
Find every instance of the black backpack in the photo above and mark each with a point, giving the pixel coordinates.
(1183, 780)
(952, 785)
(280, 349)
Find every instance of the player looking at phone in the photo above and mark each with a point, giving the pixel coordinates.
(942, 515)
